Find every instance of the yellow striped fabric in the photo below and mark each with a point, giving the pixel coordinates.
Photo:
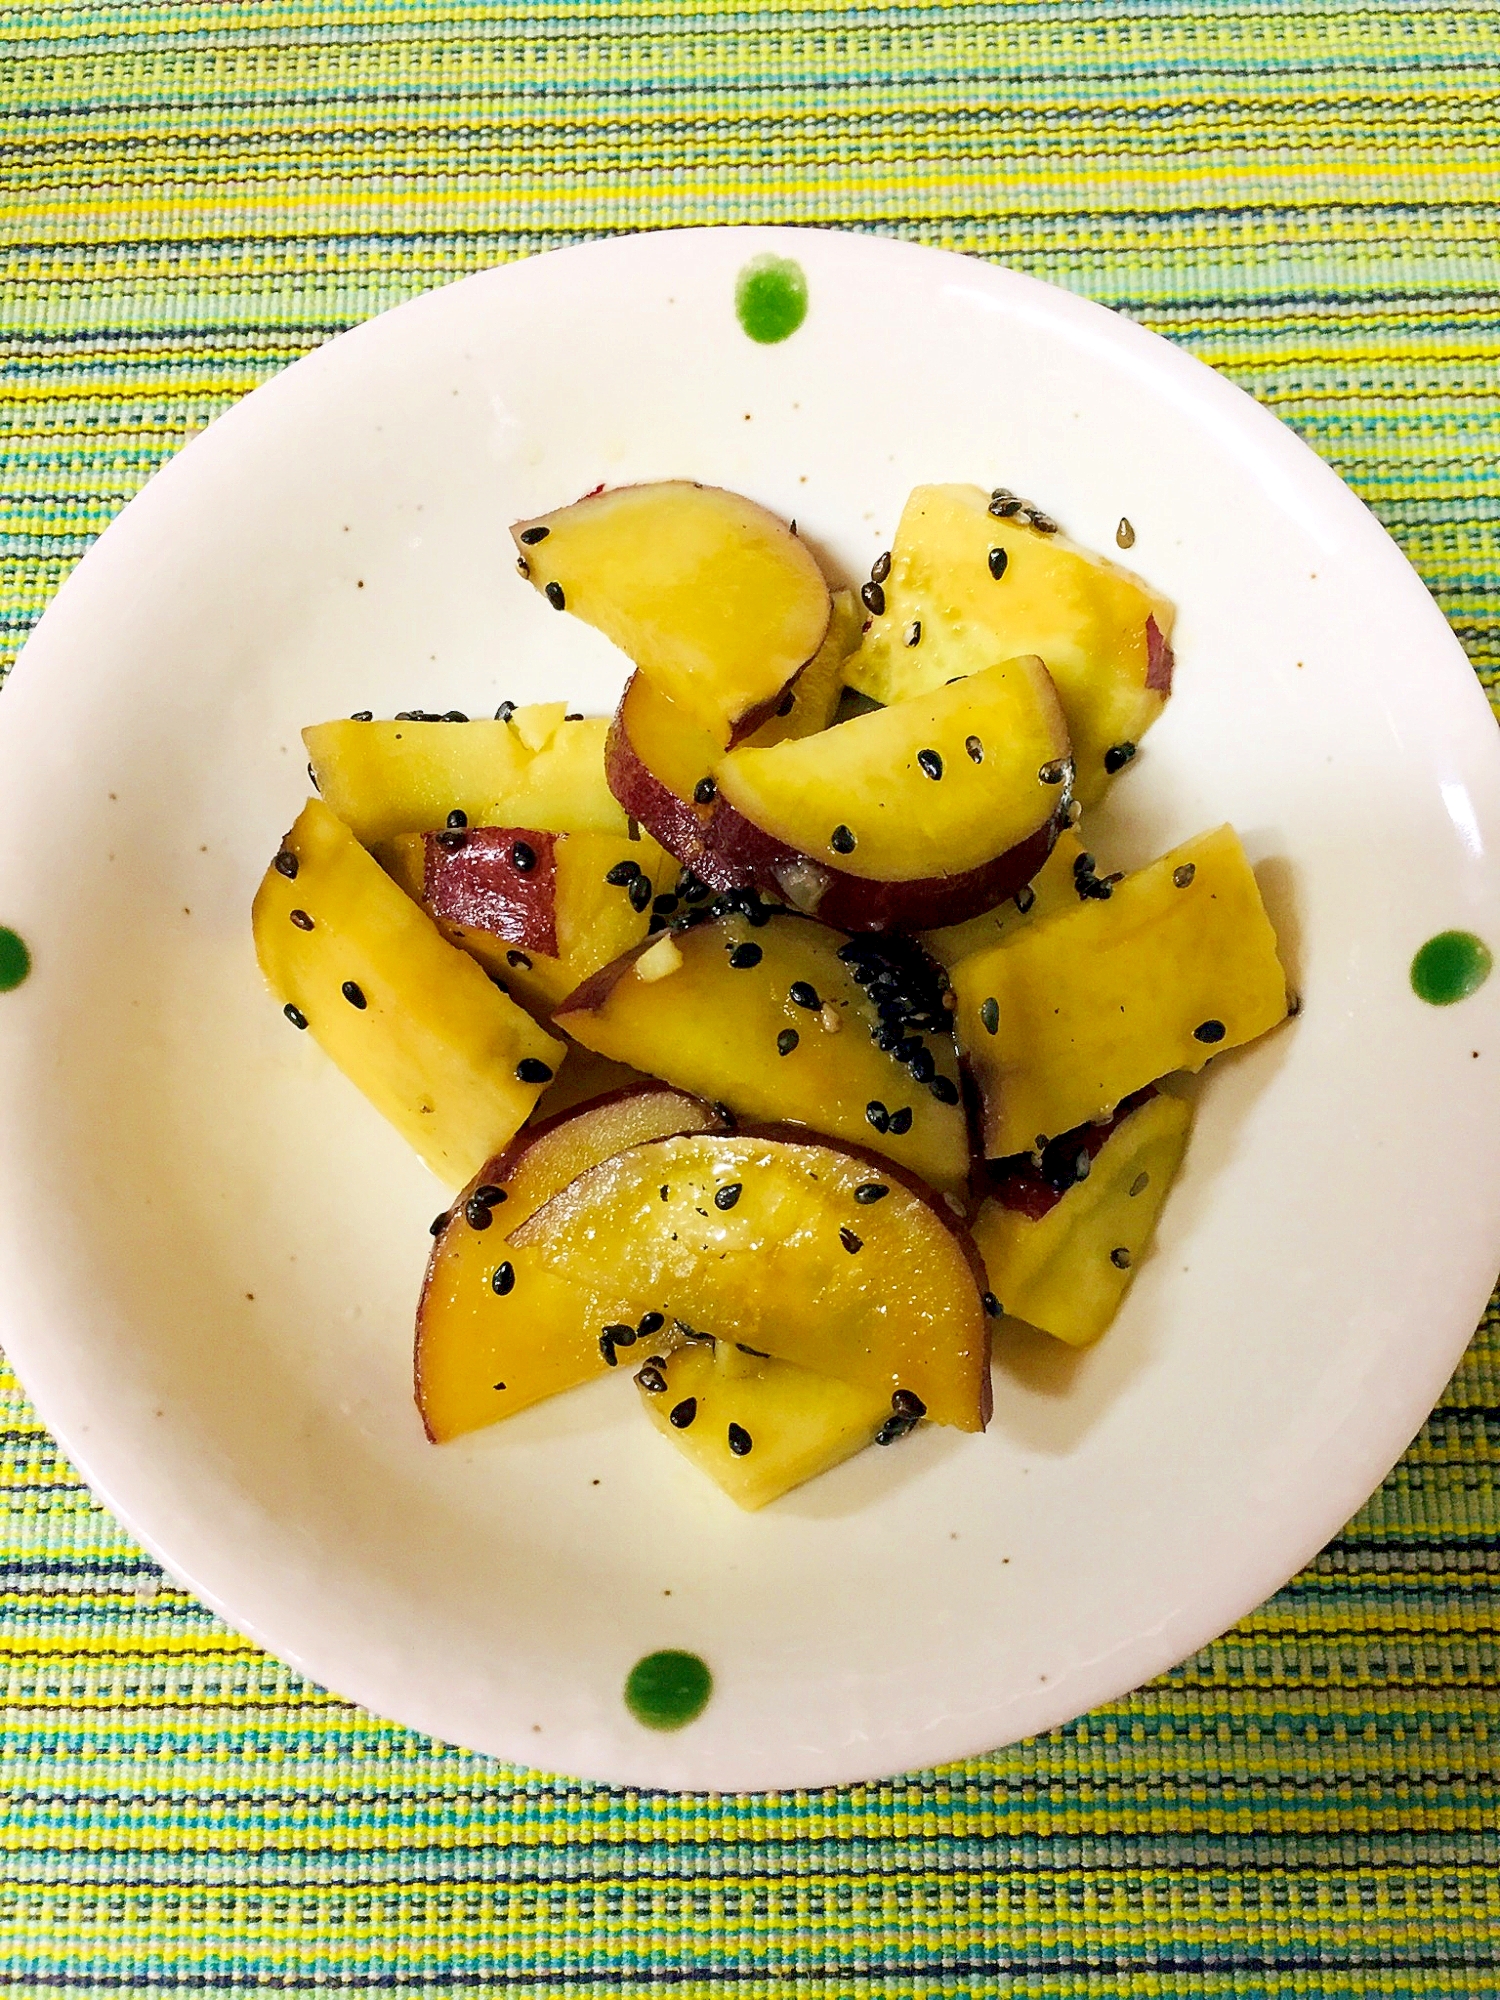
(1302, 191)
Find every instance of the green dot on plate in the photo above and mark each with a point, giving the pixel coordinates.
(667, 1690)
(770, 297)
(1450, 967)
(15, 960)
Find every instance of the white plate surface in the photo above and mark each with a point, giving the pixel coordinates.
(210, 1247)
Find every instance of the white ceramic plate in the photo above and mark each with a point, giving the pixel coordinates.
(210, 1246)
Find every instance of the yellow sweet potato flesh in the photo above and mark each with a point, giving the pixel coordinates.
(714, 599)
(883, 1294)
(712, 1027)
(799, 1424)
(1068, 1271)
(1062, 1020)
(482, 1353)
(1085, 615)
(388, 778)
(988, 739)
(1050, 890)
(434, 1046)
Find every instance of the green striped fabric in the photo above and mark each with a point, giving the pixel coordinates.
(1302, 191)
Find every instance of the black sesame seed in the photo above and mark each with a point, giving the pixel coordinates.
(458, 817)
(286, 864)
(877, 1114)
(787, 704)
(873, 598)
(1120, 1258)
(895, 1428)
(295, 1015)
(438, 1224)
(621, 873)
(1054, 773)
(363, 715)
(504, 1279)
(913, 633)
(690, 888)
(923, 1065)
(312, 779)
(556, 598)
(651, 1379)
(1024, 899)
(1209, 1031)
(454, 715)
(477, 1213)
(682, 1414)
(726, 1197)
(802, 995)
(930, 762)
(743, 956)
(518, 959)
(650, 1323)
(302, 920)
(620, 1335)
(531, 1070)
(905, 1403)
(740, 1441)
(944, 1089)
(353, 995)
(705, 792)
(1140, 1184)
(531, 536)
(1043, 523)
(852, 1243)
(786, 1041)
(1084, 865)
(869, 1191)
(887, 1039)
(664, 906)
(1118, 756)
(451, 839)
(975, 749)
(490, 1195)
(607, 1350)
(901, 1121)
(1003, 503)
(992, 1305)
(999, 563)
(841, 840)
(523, 858)
(989, 1013)
(639, 893)
(505, 711)
(1181, 877)
(880, 569)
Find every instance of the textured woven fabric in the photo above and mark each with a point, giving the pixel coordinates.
(1302, 191)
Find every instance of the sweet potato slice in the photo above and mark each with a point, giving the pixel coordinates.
(1062, 1247)
(715, 600)
(1172, 965)
(969, 571)
(772, 1019)
(497, 1330)
(780, 1241)
(453, 1063)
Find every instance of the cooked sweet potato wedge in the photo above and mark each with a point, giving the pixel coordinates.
(1062, 1240)
(755, 1426)
(1049, 890)
(497, 1329)
(454, 1064)
(822, 1255)
(969, 570)
(771, 1018)
(716, 601)
(1169, 966)
(911, 816)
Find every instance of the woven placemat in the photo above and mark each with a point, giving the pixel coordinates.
(1302, 191)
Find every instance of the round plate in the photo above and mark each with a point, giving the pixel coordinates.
(210, 1246)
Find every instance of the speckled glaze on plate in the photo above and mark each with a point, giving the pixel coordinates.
(210, 1247)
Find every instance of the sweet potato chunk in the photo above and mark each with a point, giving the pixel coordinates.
(964, 578)
(1062, 1251)
(453, 1063)
(781, 1242)
(497, 1330)
(1060, 1021)
(1051, 889)
(772, 1020)
(715, 600)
